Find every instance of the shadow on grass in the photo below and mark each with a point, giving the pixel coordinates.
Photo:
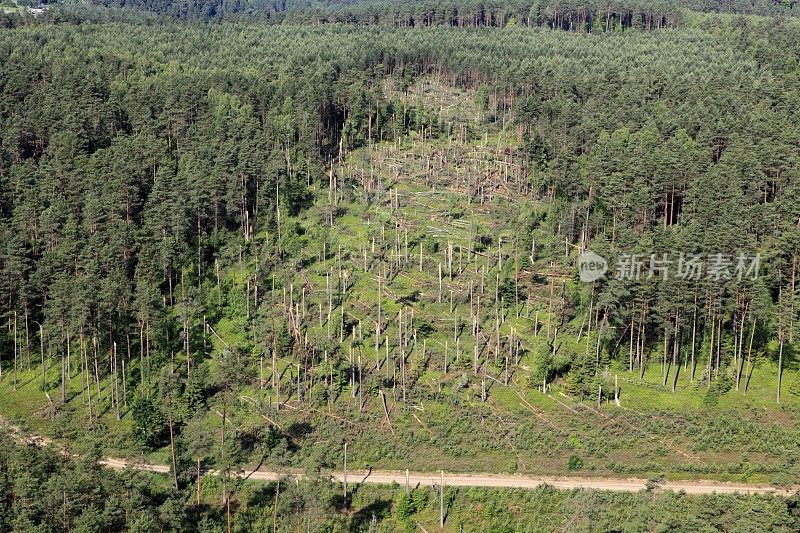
(372, 513)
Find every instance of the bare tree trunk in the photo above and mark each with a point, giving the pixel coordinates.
(664, 368)
(172, 452)
(222, 447)
(96, 367)
(780, 367)
(749, 353)
(550, 300)
(15, 350)
(711, 351)
(64, 377)
(719, 344)
(441, 499)
(345, 476)
(675, 347)
(275, 506)
(41, 352)
(198, 482)
(694, 334)
(630, 348)
(116, 381)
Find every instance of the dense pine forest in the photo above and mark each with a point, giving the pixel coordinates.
(597, 16)
(267, 233)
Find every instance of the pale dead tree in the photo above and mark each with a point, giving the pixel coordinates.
(550, 300)
(710, 353)
(378, 325)
(780, 352)
(345, 476)
(115, 384)
(749, 353)
(439, 299)
(483, 383)
(450, 260)
(351, 371)
(675, 351)
(441, 499)
(14, 338)
(360, 387)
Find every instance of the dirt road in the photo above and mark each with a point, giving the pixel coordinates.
(502, 481)
(469, 480)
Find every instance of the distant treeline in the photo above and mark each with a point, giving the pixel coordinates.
(570, 15)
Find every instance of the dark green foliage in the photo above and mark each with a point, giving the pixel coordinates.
(284, 342)
(722, 384)
(404, 507)
(595, 17)
(574, 463)
(544, 365)
(150, 423)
